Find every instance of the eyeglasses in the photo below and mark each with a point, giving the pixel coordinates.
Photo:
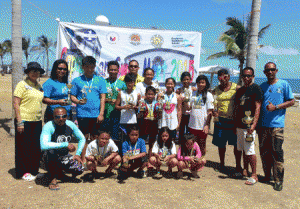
(223, 76)
(247, 76)
(133, 66)
(61, 68)
(60, 116)
(270, 69)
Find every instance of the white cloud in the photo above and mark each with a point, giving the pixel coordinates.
(270, 50)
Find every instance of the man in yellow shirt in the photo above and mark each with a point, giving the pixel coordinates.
(134, 68)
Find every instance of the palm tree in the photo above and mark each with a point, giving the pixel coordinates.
(2, 53)
(8, 46)
(43, 47)
(235, 40)
(25, 47)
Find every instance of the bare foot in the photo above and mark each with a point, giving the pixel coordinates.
(54, 185)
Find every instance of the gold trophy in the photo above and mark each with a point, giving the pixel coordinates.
(216, 119)
(127, 156)
(248, 121)
(84, 95)
(69, 86)
(187, 96)
(109, 94)
(163, 156)
(142, 106)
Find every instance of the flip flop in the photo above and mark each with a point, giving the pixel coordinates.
(28, 177)
(55, 186)
(251, 181)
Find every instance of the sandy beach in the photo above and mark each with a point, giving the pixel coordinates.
(212, 190)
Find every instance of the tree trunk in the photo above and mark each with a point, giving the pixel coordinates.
(17, 71)
(241, 66)
(47, 54)
(253, 34)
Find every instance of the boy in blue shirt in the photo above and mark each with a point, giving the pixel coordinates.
(88, 92)
(134, 154)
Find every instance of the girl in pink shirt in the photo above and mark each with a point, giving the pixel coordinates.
(189, 156)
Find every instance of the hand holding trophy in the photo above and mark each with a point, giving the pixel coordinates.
(248, 121)
(69, 86)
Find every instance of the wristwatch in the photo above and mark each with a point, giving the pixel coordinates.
(276, 107)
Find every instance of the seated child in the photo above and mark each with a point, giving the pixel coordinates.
(189, 156)
(102, 152)
(134, 154)
(164, 151)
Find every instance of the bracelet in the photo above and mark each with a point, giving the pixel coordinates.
(20, 123)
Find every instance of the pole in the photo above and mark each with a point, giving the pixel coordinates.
(253, 34)
(16, 35)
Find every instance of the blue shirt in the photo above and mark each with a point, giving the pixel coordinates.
(277, 93)
(55, 90)
(137, 148)
(58, 137)
(93, 87)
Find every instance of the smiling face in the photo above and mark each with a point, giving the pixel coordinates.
(165, 136)
(88, 70)
(149, 75)
(60, 116)
(113, 71)
(150, 95)
(61, 70)
(247, 77)
(103, 139)
(170, 85)
(224, 78)
(201, 85)
(186, 81)
(270, 71)
(133, 67)
(33, 75)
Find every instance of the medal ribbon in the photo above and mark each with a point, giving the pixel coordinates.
(151, 108)
(169, 98)
(90, 86)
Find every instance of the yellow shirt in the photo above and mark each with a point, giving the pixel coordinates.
(225, 101)
(31, 103)
(138, 79)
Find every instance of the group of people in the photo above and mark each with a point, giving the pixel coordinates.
(116, 116)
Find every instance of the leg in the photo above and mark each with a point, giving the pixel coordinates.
(238, 156)
(181, 165)
(222, 152)
(113, 163)
(265, 148)
(34, 148)
(53, 167)
(277, 153)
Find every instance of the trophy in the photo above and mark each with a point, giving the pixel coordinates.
(130, 100)
(248, 121)
(109, 94)
(216, 119)
(142, 106)
(84, 95)
(163, 156)
(187, 95)
(98, 157)
(69, 86)
(126, 164)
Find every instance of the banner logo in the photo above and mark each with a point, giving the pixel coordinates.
(112, 38)
(179, 42)
(157, 41)
(135, 39)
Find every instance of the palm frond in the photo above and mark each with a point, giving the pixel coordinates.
(263, 31)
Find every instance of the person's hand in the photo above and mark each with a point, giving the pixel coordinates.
(250, 130)
(63, 102)
(100, 118)
(91, 158)
(206, 129)
(20, 129)
(271, 107)
(127, 107)
(167, 159)
(179, 91)
(192, 160)
(82, 102)
(78, 158)
(71, 147)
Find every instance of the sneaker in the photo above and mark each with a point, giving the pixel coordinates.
(158, 175)
(28, 177)
(278, 186)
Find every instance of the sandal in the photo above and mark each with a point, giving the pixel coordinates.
(28, 177)
(251, 181)
(53, 186)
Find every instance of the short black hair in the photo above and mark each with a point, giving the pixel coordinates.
(103, 131)
(270, 63)
(53, 75)
(133, 61)
(132, 128)
(150, 88)
(130, 77)
(88, 60)
(223, 71)
(184, 74)
(248, 68)
(113, 63)
(172, 79)
(146, 69)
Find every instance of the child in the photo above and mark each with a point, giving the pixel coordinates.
(189, 156)
(102, 152)
(134, 154)
(201, 107)
(164, 151)
(148, 111)
(171, 113)
(127, 103)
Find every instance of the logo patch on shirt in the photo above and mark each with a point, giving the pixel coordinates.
(279, 90)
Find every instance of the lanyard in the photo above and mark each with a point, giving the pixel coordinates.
(104, 149)
(133, 151)
(169, 98)
(90, 86)
(151, 107)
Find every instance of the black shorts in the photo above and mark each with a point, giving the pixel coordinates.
(89, 125)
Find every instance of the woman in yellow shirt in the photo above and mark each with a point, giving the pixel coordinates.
(224, 127)
(28, 97)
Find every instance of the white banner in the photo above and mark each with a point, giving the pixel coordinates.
(168, 52)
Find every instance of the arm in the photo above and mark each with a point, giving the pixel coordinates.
(100, 117)
(20, 124)
(49, 101)
(256, 117)
(45, 139)
(284, 105)
(179, 109)
(198, 151)
(208, 119)
(143, 151)
(79, 136)
(108, 158)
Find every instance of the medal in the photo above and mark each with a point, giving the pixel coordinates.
(197, 106)
(168, 106)
(197, 101)
(89, 85)
(151, 110)
(168, 101)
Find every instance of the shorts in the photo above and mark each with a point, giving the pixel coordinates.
(223, 133)
(199, 134)
(89, 126)
(242, 144)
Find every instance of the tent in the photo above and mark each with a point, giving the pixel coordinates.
(213, 69)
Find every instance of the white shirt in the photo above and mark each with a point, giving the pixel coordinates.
(169, 117)
(198, 117)
(141, 88)
(128, 116)
(93, 149)
(185, 111)
(156, 149)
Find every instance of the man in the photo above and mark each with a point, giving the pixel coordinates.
(277, 97)
(247, 105)
(88, 92)
(133, 67)
(113, 86)
(55, 141)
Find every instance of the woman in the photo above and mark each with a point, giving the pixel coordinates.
(55, 89)
(171, 111)
(148, 81)
(224, 128)
(28, 97)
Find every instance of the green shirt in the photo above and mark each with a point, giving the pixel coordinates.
(116, 87)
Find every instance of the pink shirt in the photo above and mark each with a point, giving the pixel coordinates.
(187, 158)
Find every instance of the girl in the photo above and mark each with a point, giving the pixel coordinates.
(164, 151)
(185, 92)
(189, 156)
(102, 152)
(201, 112)
(148, 81)
(171, 111)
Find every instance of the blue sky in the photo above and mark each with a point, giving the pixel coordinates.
(206, 16)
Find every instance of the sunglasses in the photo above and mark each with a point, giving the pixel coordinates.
(60, 116)
(270, 69)
(61, 68)
(247, 76)
(223, 76)
(133, 66)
